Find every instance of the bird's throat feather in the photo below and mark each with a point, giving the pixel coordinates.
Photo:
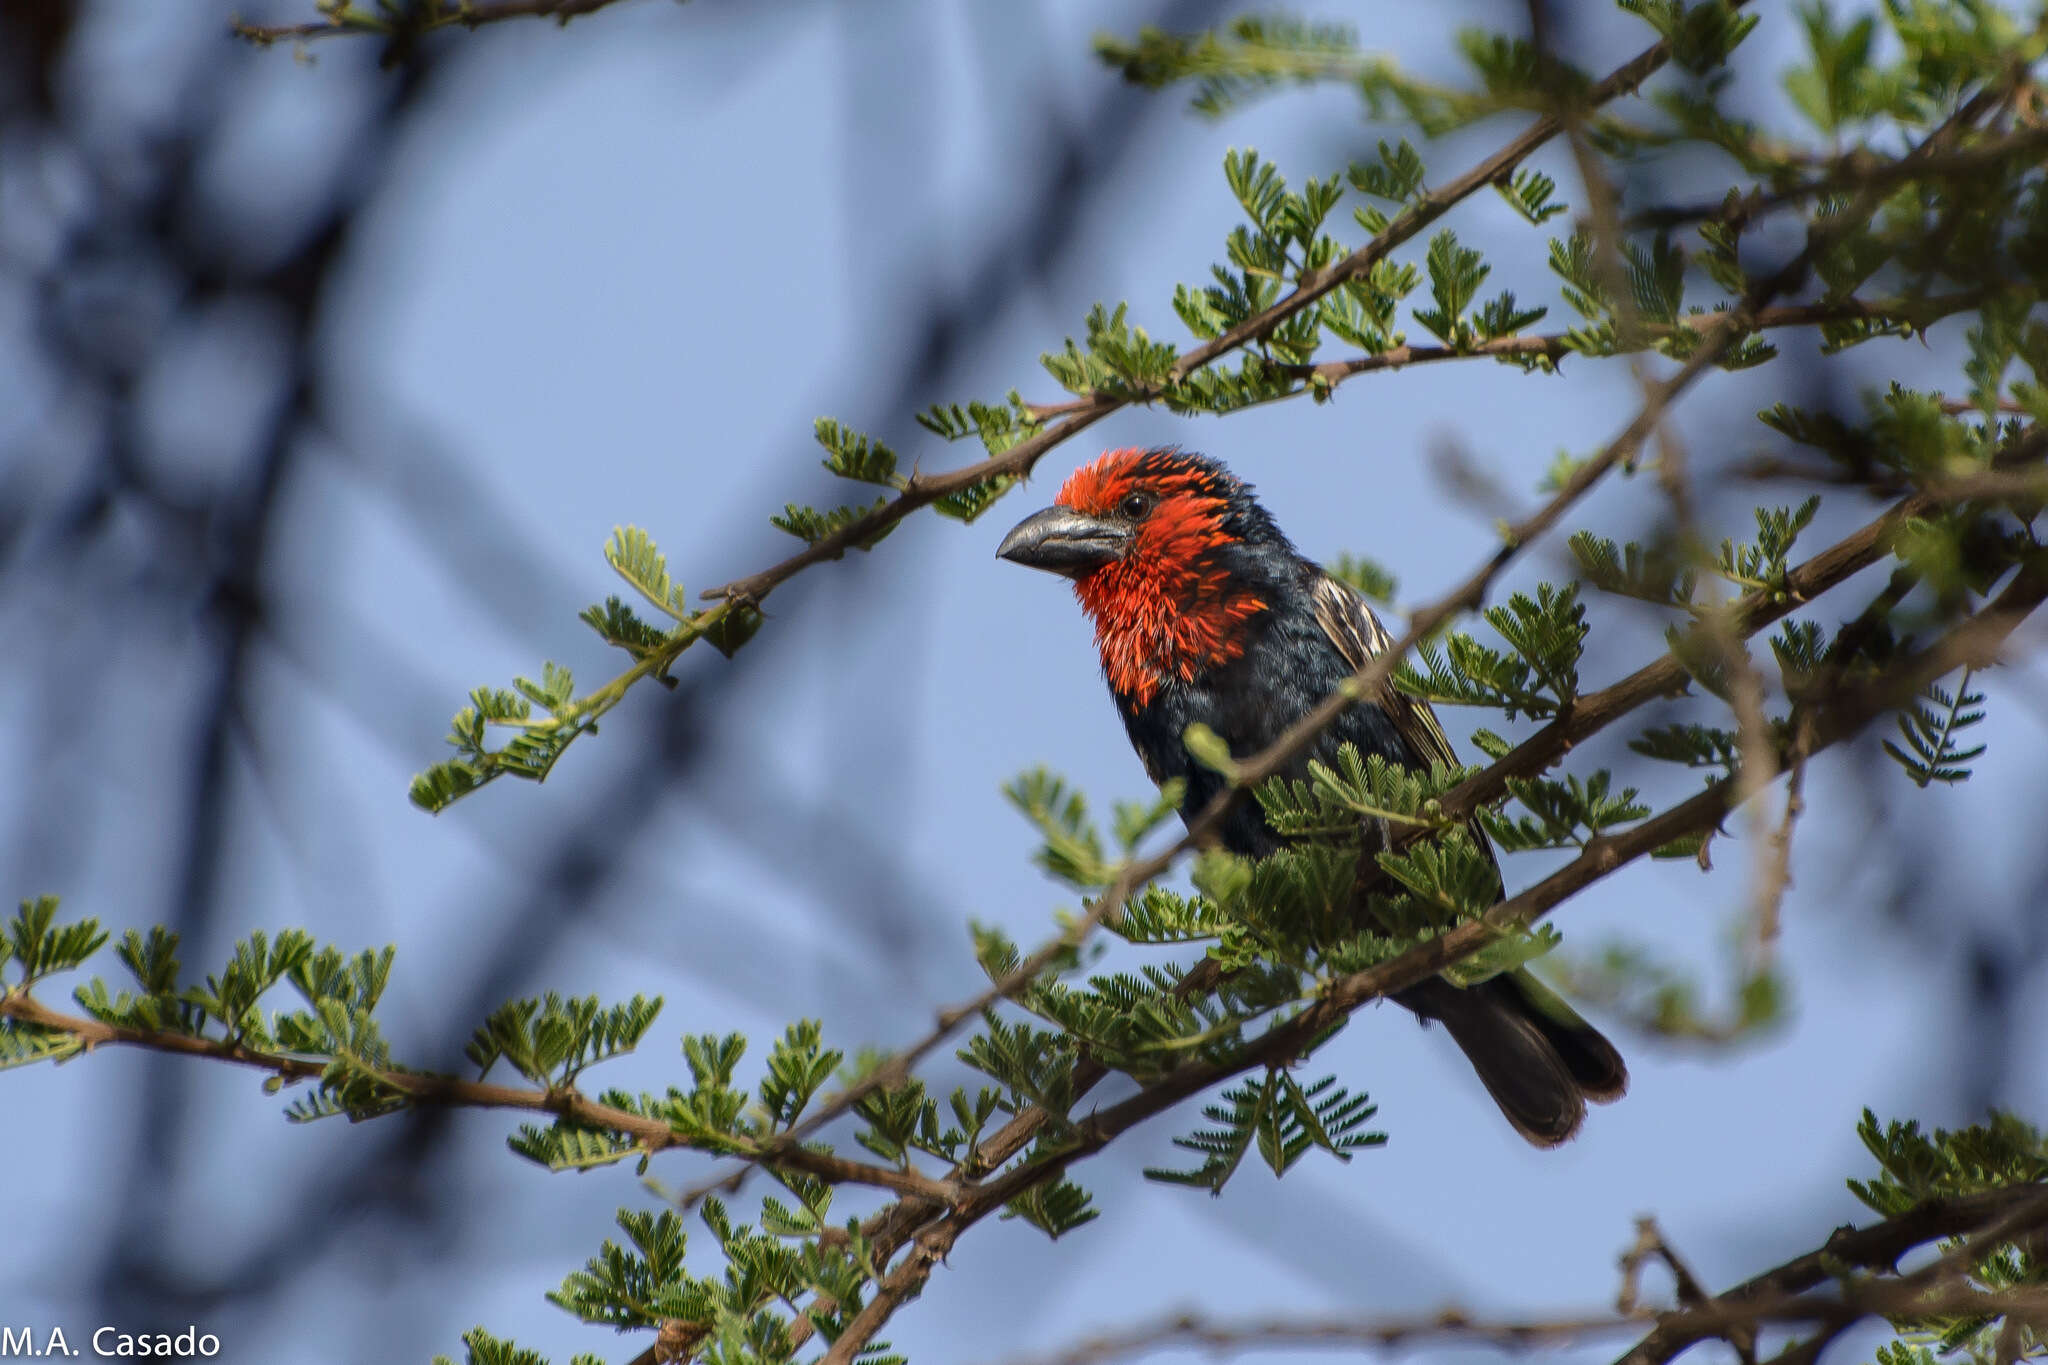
(1168, 609)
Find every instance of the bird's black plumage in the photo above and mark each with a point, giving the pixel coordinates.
(1280, 635)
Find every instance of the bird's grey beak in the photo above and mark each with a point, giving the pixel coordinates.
(1063, 541)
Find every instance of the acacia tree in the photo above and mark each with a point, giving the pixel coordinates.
(1693, 237)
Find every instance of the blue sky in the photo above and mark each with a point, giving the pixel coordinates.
(616, 273)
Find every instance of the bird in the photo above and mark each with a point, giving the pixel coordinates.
(1205, 612)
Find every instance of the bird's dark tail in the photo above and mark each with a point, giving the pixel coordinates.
(1534, 1055)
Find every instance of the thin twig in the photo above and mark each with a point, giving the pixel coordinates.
(1651, 1244)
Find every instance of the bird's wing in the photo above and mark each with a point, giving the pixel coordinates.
(1360, 638)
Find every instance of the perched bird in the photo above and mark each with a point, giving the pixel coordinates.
(1204, 611)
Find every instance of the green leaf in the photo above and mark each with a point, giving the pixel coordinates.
(1565, 813)
(1368, 576)
(967, 503)
(1395, 177)
(810, 525)
(1658, 575)
(1035, 1065)
(1656, 278)
(1502, 317)
(444, 784)
(1251, 56)
(798, 1065)
(1120, 361)
(567, 1147)
(1762, 564)
(1702, 35)
(1840, 85)
(1455, 274)
(1571, 260)
(554, 690)
(636, 1286)
(1452, 878)
(1072, 850)
(1509, 953)
(1339, 797)
(485, 1349)
(1529, 192)
(1055, 1209)
(25, 1044)
(1221, 875)
(1914, 1167)
(999, 426)
(1257, 185)
(733, 627)
(1546, 633)
(43, 947)
(1279, 1118)
(634, 557)
(617, 624)
(1133, 821)
(851, 455)
(1929, 728)
(552, 1040)
(1157, 915)
(1693, 746)
(1210, 750)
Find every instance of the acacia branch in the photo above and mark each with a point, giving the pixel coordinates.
(565, 1102)
(1553, 346)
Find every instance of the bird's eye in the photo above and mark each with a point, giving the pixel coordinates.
(1135, 505)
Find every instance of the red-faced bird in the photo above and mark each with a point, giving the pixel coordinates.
(1205, 612)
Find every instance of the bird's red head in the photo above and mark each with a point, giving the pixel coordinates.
(1144, 534)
